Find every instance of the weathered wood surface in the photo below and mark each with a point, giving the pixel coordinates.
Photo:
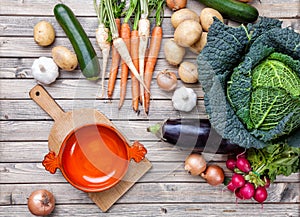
(166, 190)
(163, 209)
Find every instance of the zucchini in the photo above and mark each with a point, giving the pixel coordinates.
(234, 10)
(193, 134)
(85, 52)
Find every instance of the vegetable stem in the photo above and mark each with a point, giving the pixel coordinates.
(113, 26)
(158, 7)
(144, 9)
(131, 10)
(246, 31)
(136, 17)
(154, 128)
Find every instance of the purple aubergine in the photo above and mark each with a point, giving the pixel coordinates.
(195, 134)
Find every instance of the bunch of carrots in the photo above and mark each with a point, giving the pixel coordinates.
(129, 46)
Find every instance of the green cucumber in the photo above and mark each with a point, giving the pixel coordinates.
(86, 54)
(234, 10)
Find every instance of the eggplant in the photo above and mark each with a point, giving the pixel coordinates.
(195, 134)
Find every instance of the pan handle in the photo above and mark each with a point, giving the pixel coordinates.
(51, 162)
(137, 151)
(46, 102)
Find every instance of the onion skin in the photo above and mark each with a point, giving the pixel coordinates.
(166, 80)
(41, 202)
(195, 164)
(176, 4)
(214, 175)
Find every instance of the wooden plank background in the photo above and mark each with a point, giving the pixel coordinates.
(166, 190)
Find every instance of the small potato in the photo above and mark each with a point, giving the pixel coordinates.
(182, 15)
(187, 33)
(174, 53)
(199, 45)
(188, 72)
(43, 33)
(64, 58)
(206, 17)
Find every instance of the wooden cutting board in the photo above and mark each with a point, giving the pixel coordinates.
(65, 122)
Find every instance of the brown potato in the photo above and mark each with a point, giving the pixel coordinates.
(199, 45)
(173, 52)
(64, 58)
(187, 33)
(206, 17)
(182, 15)
(43, 33)
(188, 73)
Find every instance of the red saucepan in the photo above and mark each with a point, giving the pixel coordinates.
(88, 149)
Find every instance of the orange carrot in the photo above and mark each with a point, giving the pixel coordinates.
(125, 35)
(134, 52)
(114, 65)
(120, 44)
(154, 48)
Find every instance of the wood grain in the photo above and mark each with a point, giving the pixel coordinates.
(20, 68)
(45, 8)
(163, 210)
(78, 89)
(160, 109)
(14, 26)
(165, 192)
(166, 189)
(161, 171)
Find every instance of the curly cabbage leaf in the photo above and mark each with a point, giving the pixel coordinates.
(251, 79)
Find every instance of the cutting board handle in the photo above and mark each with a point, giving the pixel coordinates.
(39, 94)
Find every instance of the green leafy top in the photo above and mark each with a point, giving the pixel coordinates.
(250, 76)
(273, 160)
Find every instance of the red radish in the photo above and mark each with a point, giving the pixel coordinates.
(267, 182)
(247, 191)
(231, 164)
(243, 165)
(260, 194)
(242, 155)
(230, 187)
(238, 180)
(238, 194)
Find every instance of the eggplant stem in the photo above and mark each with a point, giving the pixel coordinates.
(154, 128)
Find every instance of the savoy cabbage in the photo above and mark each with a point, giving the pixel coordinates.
(251, 79)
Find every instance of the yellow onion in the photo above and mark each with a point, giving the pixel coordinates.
(195, 164)
(176, 4)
